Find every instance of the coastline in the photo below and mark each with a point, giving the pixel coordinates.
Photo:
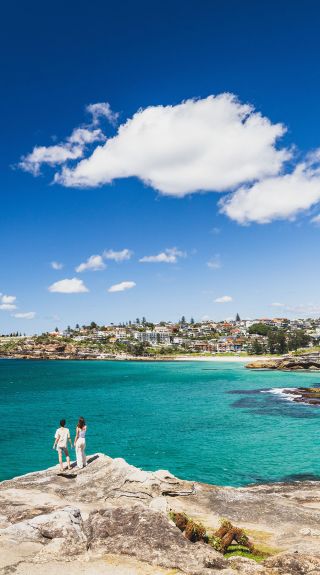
(182, 358)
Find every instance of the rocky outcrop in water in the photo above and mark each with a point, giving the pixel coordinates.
(112, 518)
(308, 361)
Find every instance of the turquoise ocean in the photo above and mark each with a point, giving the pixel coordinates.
(212, 422)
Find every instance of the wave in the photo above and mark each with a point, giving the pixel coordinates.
(286, 393)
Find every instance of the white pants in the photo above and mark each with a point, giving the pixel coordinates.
(80, 452)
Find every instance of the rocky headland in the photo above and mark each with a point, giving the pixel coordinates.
(306, 361)
(112, 518)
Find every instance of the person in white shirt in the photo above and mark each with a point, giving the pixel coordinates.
(80, 443)
(61, 438)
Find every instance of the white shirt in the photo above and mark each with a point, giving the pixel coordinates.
(62, 434)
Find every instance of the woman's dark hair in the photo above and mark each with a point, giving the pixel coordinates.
(62, 422)
(81, 422)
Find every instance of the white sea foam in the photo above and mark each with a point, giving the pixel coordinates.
(284, 392)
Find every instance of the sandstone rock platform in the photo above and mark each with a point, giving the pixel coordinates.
(114, 518)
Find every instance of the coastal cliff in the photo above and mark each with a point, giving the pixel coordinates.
(306, 361)
(112, 518)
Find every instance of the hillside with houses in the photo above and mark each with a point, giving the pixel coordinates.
(142, 338)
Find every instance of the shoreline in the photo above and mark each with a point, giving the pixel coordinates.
(183, 358)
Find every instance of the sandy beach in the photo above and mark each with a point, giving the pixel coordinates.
(221, 358)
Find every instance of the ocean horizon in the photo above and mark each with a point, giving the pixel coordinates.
(215, 423)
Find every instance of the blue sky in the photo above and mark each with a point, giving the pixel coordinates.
(145, 191)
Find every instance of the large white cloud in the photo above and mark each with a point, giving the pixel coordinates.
(280, 197)
(210, 144)
(73, 285)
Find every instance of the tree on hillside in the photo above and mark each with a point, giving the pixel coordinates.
(238, 317)
(93, 325)
(259, 329)
(298, 339)
(192, 321)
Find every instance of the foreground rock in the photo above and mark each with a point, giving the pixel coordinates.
(113, 518)
(308, 361)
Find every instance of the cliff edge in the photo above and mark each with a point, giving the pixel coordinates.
(112, 518)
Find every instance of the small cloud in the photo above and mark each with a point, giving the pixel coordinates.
(93, 263)
(7, 306)
(73, 285)
(215, 231)
(118, 256)
(169, 256)
(214, 263)
(56, 265)
(121, 287)
(8, 298)
(224, 299)
(316, 220)
(25, 315)
(102, 110)
(277, 304)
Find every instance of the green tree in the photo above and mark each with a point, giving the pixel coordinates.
(257, 347)
(192, 321)
(238, 317)
(259, 329)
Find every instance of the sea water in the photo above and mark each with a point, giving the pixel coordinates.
(210, 422)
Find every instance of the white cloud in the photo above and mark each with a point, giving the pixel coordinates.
(72, 149)
(93, 263)
(7, 298)
(25, 315)
(56, 265)
(280, 197)
(102, 109)
(73, 285)
(214, 263)
(224, 299)
(211, 144)
(7, 306)
(121, 287)
(169, 256)
(277, 304)
(120, 256)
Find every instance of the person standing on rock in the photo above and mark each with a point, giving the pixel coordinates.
(80, 443)
(61, 438)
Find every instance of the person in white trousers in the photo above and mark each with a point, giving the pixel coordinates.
(80, 443)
